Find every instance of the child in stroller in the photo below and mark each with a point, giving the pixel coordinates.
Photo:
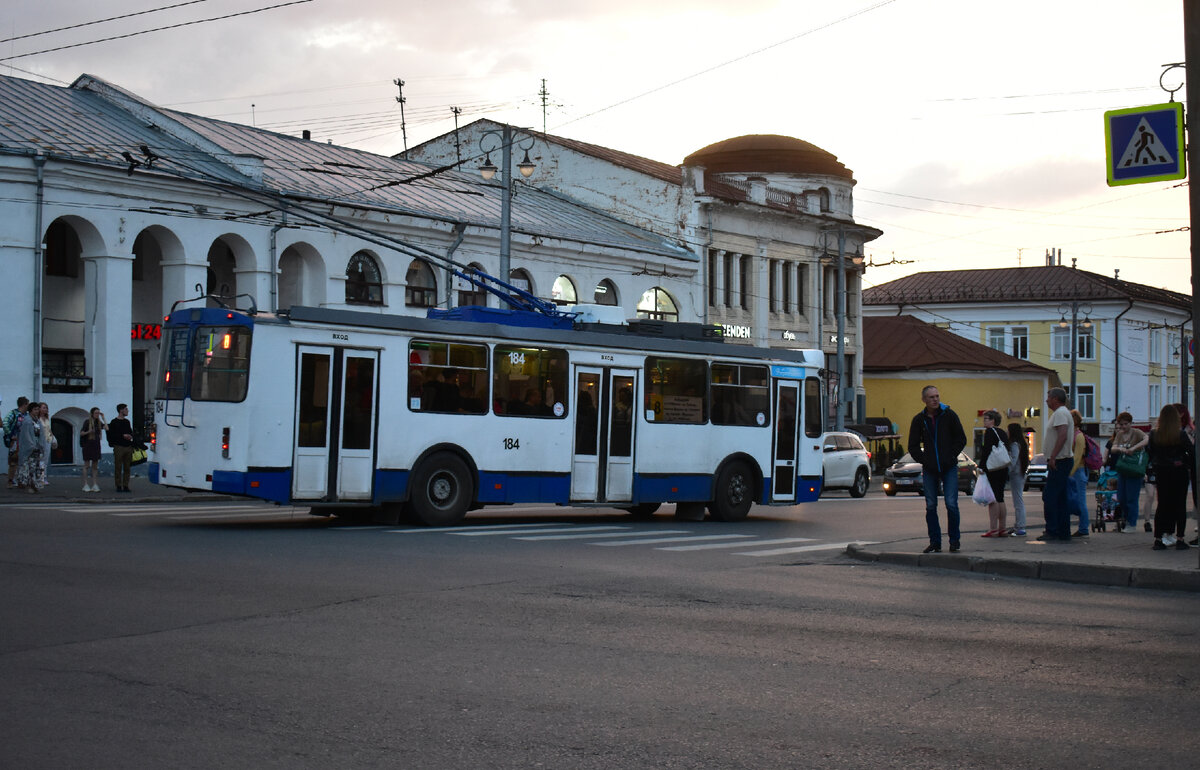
(1107, 507)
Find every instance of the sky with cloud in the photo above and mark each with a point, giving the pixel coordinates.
(975, 131)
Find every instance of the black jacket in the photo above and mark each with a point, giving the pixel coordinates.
(117, 430)
(935, 444)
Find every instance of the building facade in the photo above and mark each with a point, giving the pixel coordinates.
(766, 216)
(113, 209)
(1123, 340)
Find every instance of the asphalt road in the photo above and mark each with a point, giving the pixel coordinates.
(239, 636)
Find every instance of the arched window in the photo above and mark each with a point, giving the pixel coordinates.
(470, 294)
(62, 250)
(606, 293)
(520, 278)
(563, 291)
(363, 284)
(422, 285)
(824, 196)
(657, 305)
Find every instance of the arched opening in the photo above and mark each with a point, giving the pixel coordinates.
(606, 293)
(64, 362)
(300, 271)
(656, 304)
(521, 279)
(825, 199)
(222, 278)
(364, 283)
(469, 293)
(421, 290)
(563, 291)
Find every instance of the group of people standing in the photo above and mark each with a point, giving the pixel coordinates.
(30, 441)
(936, 437)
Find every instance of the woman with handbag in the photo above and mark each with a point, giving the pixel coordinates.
(996, 461)
(1127, 445)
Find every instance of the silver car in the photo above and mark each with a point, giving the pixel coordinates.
(847, 463)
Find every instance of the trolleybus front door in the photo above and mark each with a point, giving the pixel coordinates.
(787, 404)
(335, 424)
(602, 462)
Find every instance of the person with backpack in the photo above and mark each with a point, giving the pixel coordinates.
(1173, 458)
(12, 428)
(1077, 484)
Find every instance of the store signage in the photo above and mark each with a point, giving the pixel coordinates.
(145, 332)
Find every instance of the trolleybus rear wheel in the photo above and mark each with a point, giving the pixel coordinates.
(441, 490)
(734, 492)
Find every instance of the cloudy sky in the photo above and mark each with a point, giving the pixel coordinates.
(974, 131)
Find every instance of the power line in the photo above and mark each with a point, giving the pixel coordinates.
(100, 21)
(156, 29)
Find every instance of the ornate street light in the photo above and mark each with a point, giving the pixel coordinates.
(502, 140)
(1075, 307)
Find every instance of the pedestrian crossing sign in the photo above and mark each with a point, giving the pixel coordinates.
(1145, 144)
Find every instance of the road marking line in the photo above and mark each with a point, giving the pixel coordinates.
(469, 528)
(739, 544)
(548, 531)
(800, 549)
(651, 533)
(670, 540)
(200, 516)
(201, 511)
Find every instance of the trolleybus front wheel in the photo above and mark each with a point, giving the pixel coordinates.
(734, 492)
(441, 490)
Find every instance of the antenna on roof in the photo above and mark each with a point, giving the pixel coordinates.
(403, 131)
(457, 144)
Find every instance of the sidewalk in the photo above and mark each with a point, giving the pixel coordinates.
(1103, 558)
(65, 488)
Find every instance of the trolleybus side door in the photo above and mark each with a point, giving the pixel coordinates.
(784, 466)
(602, 460)
(336, 404)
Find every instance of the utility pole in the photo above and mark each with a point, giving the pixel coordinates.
(1191, 48)
(403, 132)
(545, 96)
(457, 145)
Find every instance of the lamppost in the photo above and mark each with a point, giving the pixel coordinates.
(1075, 307)
(840, 290)
(502, 140)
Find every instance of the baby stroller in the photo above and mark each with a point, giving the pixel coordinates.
(1108, 508)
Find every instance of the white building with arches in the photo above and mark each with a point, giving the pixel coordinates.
(113, 209)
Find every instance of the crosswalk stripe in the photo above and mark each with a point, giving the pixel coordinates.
(281, 515)
(801, 549)
(469, 528)
(670, 540)
(593, 535)
(257, 510)
(738, 544)
(547, 531)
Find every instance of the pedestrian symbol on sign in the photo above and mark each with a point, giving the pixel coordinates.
(1144, 148)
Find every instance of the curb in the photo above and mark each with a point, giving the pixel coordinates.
(1062, 572)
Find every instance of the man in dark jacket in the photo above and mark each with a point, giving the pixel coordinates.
(120, 438)
(935, 439)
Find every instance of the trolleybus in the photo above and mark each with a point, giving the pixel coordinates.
(341, 409)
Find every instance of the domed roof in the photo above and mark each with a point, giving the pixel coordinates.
(767, 153)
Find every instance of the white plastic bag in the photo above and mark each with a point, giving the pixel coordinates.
(983, 491)
(998, 458)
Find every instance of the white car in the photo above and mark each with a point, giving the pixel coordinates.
(847, 463)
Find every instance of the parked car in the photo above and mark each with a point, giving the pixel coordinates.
(846, 463)
(1035, 476)
(905, 475)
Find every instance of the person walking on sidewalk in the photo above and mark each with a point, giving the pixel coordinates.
(1057, 447)
(935, 439)
(1173, 459)
(120, 438)
(1018, 450)
(992, 438)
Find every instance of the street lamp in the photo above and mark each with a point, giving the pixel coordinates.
(502, 140)
(840, 289)
(1075, 307)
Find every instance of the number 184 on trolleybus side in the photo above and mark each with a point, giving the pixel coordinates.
(341, 409)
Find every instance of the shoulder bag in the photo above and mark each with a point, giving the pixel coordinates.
(998, 458)
(1133, 464)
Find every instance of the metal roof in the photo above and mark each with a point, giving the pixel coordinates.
(904, 343)
(94, 121)
(1008, 285)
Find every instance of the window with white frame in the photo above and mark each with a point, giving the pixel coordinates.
(1172, 394)
(1084, 400)
(1155, 356)
(1020, 342)
(1060, 344)
(1155, 401)
(996, 338)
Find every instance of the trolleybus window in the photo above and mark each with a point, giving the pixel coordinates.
(312, 424)
(740, 395)
(529, 382)
(358, 397)
(220, 363)
(174, 363)
(675, 390)
(446, 377)
(812, 407)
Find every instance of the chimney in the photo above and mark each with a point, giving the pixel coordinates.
(306, 134)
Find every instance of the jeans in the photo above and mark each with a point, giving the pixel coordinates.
(1054, 499)
(1129, 492)
(1017, 484)
(948, 481)
(1077, 497)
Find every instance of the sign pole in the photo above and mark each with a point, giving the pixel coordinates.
(1191, 47)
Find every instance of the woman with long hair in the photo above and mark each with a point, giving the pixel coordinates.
(1077, 481)
(1173, 459)
(89, 439)
(1018, 450)
(992, 438)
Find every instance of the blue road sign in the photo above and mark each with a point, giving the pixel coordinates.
(1145, 144)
